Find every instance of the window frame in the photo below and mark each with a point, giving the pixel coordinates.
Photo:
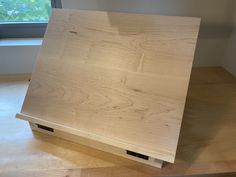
(27, 29)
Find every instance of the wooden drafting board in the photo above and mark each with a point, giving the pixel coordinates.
(118, 79)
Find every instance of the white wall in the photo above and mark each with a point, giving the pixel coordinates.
(217, 21)
(17, 59)
(230, 58)
(18, 55)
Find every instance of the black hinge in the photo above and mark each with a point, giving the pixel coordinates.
(135, 154)
(45, 128)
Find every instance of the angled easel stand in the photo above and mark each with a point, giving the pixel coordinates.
(113, 81)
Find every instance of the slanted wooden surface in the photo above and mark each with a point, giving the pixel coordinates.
(206, 145)
(121, 79)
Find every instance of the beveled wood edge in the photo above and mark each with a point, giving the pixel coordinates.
(164, 156)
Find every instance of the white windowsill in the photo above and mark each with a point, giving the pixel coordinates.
(21, 42)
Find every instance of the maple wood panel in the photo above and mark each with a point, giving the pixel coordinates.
(118, 78)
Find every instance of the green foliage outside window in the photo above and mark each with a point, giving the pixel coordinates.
(25, 10)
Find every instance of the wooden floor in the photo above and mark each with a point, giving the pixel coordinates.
(207, 142)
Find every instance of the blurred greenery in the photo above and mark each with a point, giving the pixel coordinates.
(25, 10)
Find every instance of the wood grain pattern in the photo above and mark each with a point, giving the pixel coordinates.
(206, 144)
(118, 78)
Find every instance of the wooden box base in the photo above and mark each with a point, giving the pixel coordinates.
(101, 146)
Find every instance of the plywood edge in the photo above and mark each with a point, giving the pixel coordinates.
(165, 156)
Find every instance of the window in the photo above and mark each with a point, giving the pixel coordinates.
(25, 18)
